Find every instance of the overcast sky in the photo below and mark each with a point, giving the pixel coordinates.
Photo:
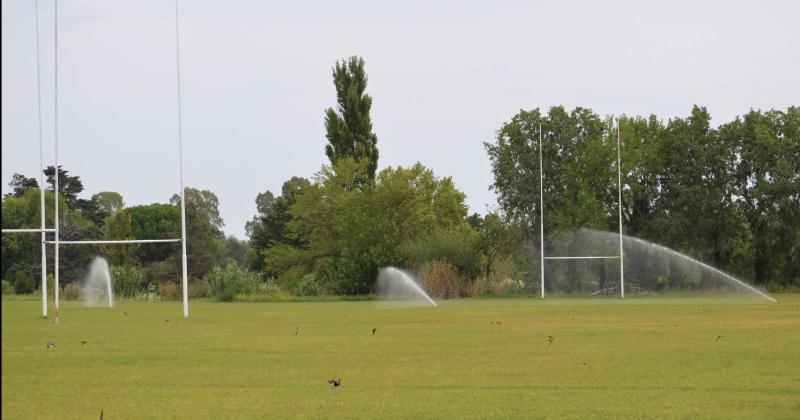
(444, 76)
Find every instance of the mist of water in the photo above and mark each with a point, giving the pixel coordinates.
(648, 266)
(97, 287)
(396, 284)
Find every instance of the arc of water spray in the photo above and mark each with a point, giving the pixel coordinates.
(706, 266)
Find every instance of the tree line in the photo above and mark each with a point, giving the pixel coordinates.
(728, 196)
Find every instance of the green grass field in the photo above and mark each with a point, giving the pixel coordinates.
(643, 358)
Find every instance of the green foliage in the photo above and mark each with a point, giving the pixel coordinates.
(109, 202)
(155, 221)
(353, 230)
(224, 283)
(21, 279)
(119, 226)
(349, 131)
(727, 196)
(6, 287)
(458, 246)
(309, 285)
(129, 281)
(205, 239)
(20, 183)
(270, 227)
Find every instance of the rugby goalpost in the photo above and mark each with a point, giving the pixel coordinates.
(43, 230)
(620, 257)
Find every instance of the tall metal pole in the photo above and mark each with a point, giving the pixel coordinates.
(619, 191)
(41, 168)
(180, 158)
(541, 212)
(55, 139)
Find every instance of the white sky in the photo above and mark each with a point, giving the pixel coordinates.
(444, 77)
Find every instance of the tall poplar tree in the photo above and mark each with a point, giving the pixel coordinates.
(349, 127)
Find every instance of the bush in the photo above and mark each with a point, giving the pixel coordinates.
(169, 291)
(310, 286)
(128, 281)
(225, 283)
(21, 279)
(72, 291)
(6, 287)
(269, 288)
(440, 279)
(456, 246)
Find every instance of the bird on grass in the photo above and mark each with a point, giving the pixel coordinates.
(125, 313)
(166, 320)
(101, 414)
(296, 331)
(50, 344)
(83, 343)
(335, 382)
(718, 337)
(550, 340)
(374, 330)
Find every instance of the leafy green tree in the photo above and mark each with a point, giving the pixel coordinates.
(270, 226)
(204, 235)
(155, 221)
(109, 202)
(352, 232)
(20, 183)
(349, 131)
(68, 186)
(119, 226)
(767, 190)
(236, 249)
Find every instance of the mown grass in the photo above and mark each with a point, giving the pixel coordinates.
(643, 358)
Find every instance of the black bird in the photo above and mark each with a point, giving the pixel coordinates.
(50, 344)
(550, 340)
(83, 343)
(335, 382)
(718, 337)
(373, 330)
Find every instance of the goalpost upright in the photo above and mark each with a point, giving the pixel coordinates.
(541, 220)
(56, 230)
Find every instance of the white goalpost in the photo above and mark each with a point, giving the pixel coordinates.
(543, 258)
(43, 230)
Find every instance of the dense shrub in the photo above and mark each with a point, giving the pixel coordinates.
(440, 279)
(21, 279)
(224, 283)
(457, 245)
(72, 291)
(129, 281)
(309, 285)
(6, 287)
(169, 291)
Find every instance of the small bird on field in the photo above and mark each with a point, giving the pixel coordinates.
(50, 344)
(335, 382)
(373, 330)
(125, 313)
(718, 337)
(166, 320)
(101, 414)
(550, 340)
(296, 331)
(83, 343)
